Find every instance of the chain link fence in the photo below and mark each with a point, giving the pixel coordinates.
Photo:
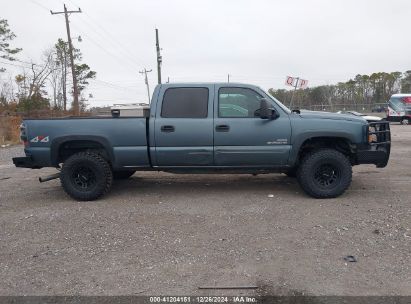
(366, 108)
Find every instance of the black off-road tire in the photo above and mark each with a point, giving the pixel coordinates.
(86, 176)
(324, 173)
(122, 174)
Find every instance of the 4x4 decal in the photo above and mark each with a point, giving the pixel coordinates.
(40, 138)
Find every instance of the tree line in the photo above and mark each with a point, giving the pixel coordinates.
(44, 85)
(363, 92)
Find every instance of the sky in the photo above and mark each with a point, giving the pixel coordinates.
(258, 42)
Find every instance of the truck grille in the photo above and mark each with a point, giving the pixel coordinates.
(379, 133)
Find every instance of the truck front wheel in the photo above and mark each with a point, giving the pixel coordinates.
(324, 173)
(86, 176)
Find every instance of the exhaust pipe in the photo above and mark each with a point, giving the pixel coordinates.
(49, 178)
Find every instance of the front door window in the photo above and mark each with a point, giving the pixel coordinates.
(238, 103)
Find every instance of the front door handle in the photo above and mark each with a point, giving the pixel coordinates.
(167, 129)
(222, 128)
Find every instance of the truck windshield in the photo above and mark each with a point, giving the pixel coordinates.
(400, 104)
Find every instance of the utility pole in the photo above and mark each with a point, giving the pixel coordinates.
(64, 82)
(228, 78)
(73, 69)
(159, 58)
(146, 81)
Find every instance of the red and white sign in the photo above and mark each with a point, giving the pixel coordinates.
(296, 82)
(303, 83)
(289, 81)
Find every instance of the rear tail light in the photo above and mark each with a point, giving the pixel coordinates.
(406, 99)
(23, 134)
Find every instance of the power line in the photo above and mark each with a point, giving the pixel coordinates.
(124, 53)
(12, 64)
(27, 64)
(113, 85)
(40, 5)
(90, 38)
(124, 64)
(30, 63)
(93, 24)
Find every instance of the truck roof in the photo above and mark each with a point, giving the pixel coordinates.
(207, 83)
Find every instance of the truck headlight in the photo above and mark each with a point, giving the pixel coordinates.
(372, 137)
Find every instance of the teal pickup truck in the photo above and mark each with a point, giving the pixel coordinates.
(206, 128)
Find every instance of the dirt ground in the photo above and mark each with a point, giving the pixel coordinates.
(161, 233)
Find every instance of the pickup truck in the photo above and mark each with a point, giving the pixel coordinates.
(206, 128)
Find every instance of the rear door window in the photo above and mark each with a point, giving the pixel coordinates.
(185, 103)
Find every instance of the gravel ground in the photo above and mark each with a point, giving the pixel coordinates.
(159, 233)
(6, 154)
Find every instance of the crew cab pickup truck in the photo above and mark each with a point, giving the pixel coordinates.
(206, 128)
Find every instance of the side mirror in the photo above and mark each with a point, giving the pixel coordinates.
(266, 111)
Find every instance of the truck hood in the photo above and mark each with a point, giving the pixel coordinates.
(329, 115)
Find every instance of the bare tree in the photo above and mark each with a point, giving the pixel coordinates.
(39, 74)
(55, 77)
(31, 85)
(6, 92)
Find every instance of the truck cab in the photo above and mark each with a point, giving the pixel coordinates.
(217, 125)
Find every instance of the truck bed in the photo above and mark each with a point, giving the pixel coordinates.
(126, 138)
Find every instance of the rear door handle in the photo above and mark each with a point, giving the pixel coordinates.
(167, 129)
(222, 128)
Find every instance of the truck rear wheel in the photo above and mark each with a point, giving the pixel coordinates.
(324, 173)
(123, 174)
(86, 176)
(405, 121)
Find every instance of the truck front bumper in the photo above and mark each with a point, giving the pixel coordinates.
(25, 162)
(378, 157)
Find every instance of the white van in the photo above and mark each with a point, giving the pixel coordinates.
(399, 108)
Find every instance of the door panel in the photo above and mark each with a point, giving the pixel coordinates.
(180, 139)
(248, 140)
